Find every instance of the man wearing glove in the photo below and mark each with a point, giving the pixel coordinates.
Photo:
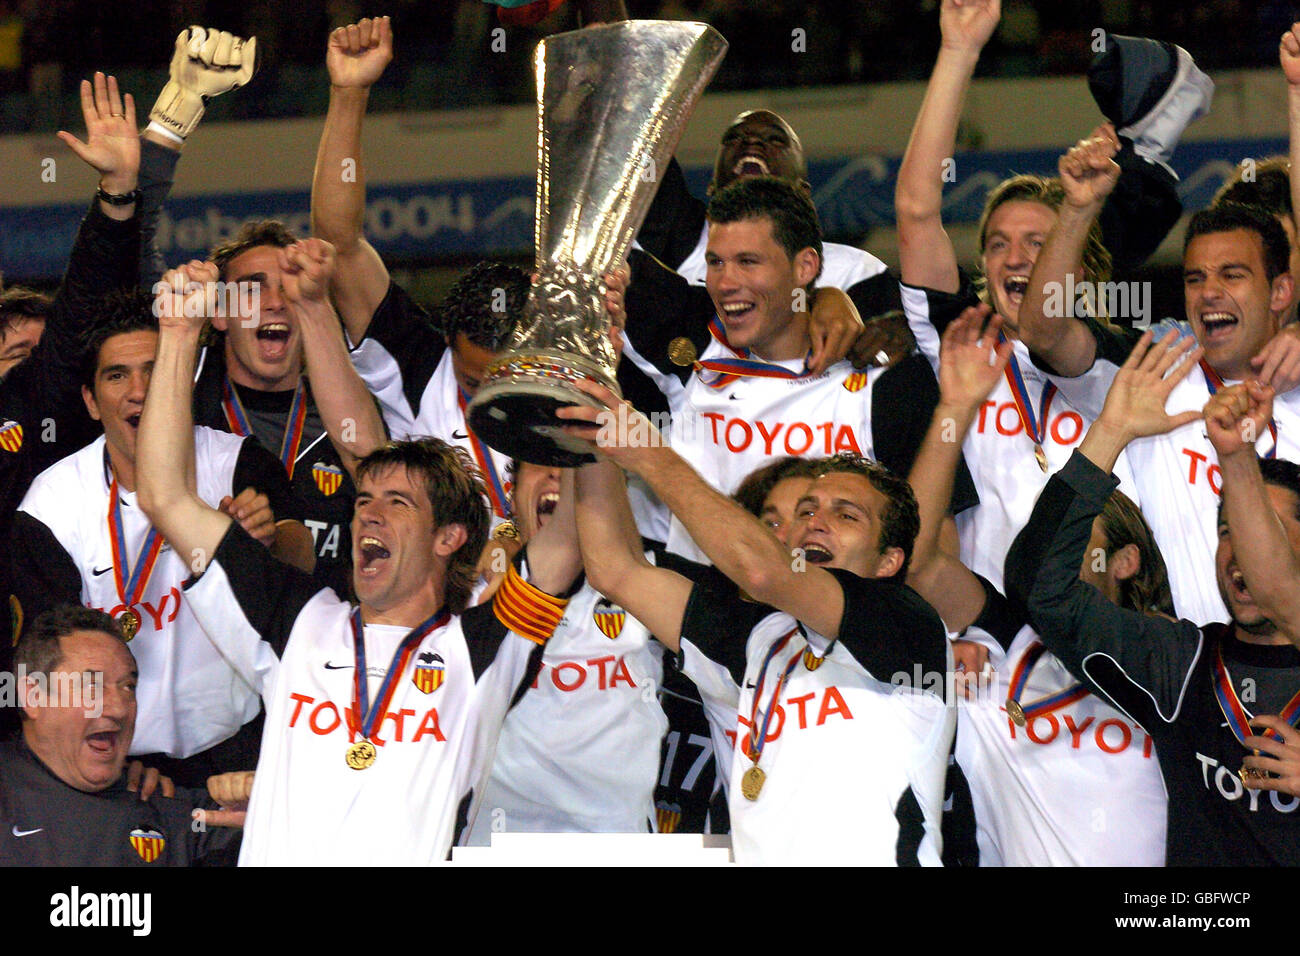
(205, 63)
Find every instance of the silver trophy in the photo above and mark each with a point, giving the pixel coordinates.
(612, 102)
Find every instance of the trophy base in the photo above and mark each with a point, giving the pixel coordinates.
(517, 418)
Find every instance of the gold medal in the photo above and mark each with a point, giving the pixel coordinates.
(752, 782)
(1016, 713)
(681, 351)
(361, 755)
(811, 660)
(1252, 773)
(129, 622)
(1041, 457)
(506, 530)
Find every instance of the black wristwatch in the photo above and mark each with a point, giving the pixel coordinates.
(125, 199)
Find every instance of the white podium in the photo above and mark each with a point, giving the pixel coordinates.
(597, 849)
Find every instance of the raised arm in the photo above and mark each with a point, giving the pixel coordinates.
(1135, 404)
(615, 562)
(925, 252)
(554, 557)
(104, 257)
(208, 63)
(1234, 417)
(734, 540)
(166, 439)
(1047, 323)
(356, 58)
(970, 364)
(347, 409)
(1289, 55)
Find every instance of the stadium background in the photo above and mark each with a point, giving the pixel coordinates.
(448, 140)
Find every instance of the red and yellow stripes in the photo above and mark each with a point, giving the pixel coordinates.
(526, 610)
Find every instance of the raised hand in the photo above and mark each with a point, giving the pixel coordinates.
(971, 360)
(112, 146)
(307, 266)
(187, 295)
(1289, 54)
(205, 63)
(968, 24)
(1236, 415)
(1089, 171)
(1135, 404)
(358, 54)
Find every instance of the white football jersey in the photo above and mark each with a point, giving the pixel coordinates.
(189, 697)
(854, 765)
(579, 752)
(1076, 786)
(434, 745)
(999, 451)
(726, 433)
(1178, 481)
(427, 408)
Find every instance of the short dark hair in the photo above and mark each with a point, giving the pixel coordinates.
(40, 651)
(758, 484)
(1270, 189)
(456, 493)
(17, 303)
(126, 310)
(484, 303)
(1283, 474)
(1231, 216)
(901, 521)
(258, 232)
(795, 225)
(1280, 473)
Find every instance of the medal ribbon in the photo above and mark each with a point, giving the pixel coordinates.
(1235, 713)
(1214, 383)
(756, 744)
(131, 582)
(496, 491)
(727, 370)
(371, 717)
(1035, 428)
(237, 419)
(1044, 705)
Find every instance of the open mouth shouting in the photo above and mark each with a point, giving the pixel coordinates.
(103, 743)
(546, 505)
(1015, 286)
(273, 340)
(1217, 326)
(373, 553)
(751, 165)
(1237, 586)
(817, 554)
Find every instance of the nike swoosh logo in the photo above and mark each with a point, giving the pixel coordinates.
(733, 398)
(22, 833)
(461, 435)
(338, 667)
(101, 571)
(749, 686)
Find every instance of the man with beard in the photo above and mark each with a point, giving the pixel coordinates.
(1193, 684)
